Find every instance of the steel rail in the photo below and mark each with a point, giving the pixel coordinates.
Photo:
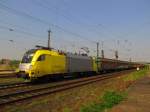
(8, 76)
(13, 85)
(23, 95)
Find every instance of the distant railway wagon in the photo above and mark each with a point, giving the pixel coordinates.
(109, 64)
(113, 65)
(38, 63)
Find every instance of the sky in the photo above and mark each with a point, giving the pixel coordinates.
(121, 25)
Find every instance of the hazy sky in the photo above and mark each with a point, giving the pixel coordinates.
(121, 25)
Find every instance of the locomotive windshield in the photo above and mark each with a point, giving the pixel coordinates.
(27, 58)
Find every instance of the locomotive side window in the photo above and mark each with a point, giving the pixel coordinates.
(41, 58)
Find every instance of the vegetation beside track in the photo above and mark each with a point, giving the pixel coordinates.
(12, 65)
(137, 74)
(109, 99)
(10, 80)
(112, 98)
(74, 99)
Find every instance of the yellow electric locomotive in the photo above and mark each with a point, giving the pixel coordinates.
(38, 63)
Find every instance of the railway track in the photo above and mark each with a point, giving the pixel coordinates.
(7, 70)
(7, 74)
(13, 85)
(32, 93)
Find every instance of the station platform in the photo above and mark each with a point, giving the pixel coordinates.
(138, 99)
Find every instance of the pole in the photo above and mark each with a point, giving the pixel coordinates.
(97, 49)
(102, 51)
(97, 60)
(116, 55)
(49, 31)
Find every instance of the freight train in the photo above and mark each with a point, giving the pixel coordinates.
(44, 62)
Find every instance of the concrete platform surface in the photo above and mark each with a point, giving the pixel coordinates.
(138, 98)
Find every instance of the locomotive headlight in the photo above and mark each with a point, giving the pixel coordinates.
(25, 67)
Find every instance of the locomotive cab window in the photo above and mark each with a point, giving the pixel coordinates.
(41, 58)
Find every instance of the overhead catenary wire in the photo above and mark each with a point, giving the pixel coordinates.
(13, 25)
(45, 5)
(17, 28)
(26, 15)
(19, 31)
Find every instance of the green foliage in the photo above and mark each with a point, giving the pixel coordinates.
(112, 98)
(109, 99)
(14, 63)
(137, 74)
(66, 109)
(95, 107)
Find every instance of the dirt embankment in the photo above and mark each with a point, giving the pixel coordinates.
(138, 97)
(71, 100)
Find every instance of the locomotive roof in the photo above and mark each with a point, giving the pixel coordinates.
(78, 56)
(31, 51)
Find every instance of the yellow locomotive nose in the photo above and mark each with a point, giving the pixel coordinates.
(24, 69)
(25, 66)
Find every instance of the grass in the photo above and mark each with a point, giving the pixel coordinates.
(11, 80)
(5, 67)
(109, 99)
(137, 74)
(66, 109)
(112, 98)
(11, 66)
